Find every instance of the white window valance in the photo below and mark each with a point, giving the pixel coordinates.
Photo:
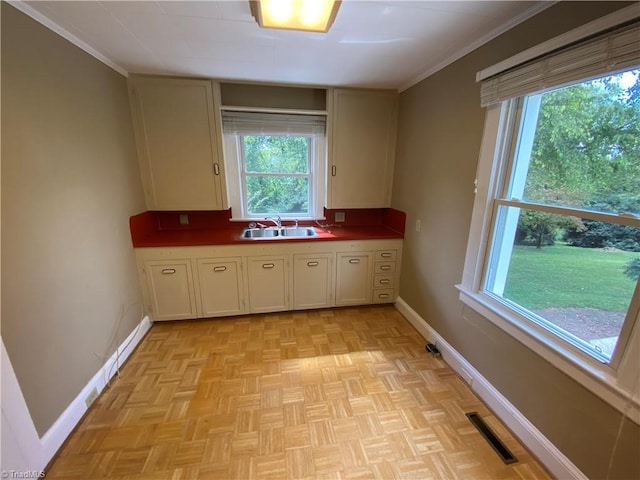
(260, 123)
(612, 52)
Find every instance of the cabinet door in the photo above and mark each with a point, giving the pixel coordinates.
(362, 148)
(312, 281)
(354, 278)
(177, 135)
(171, 292)
(221, 287)
(268, 284)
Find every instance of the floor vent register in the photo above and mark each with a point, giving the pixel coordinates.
(502, 451)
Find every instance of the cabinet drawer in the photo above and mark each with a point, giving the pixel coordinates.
(384, 267)
(383, 255)
(384, 295)
(384, 281)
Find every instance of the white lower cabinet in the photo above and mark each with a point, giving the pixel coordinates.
(222, 280)
(268, 284)
(171, 291)
(312, 280)
(353, 278)
(221, 286)
(385, 277)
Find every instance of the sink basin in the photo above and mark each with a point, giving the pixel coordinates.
(299, 232)
(254, 233)
(271, 233)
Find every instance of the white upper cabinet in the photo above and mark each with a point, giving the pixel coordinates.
(178, 136)
(362, 148)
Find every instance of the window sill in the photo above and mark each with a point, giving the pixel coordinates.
(284, 219)
(596, 377)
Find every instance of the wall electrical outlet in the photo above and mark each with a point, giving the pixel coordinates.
(418, 225)
(93, 394)
(339, 217)
(184, 219)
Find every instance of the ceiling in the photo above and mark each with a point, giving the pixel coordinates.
(381, 44)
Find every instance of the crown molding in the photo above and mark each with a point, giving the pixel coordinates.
(518, 19)
(54, 27)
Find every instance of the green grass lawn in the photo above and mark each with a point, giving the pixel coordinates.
(562, 276)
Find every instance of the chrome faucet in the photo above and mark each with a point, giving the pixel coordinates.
(277, 220)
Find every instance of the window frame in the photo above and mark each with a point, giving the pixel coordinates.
(616, 382)
(522, 132)
(236, 183)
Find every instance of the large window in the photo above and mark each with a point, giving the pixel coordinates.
(553, 256)
(566, 235)
(276, 164)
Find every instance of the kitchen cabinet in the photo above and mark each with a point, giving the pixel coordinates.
(268, 284)
(362, 146)
(177, 129)
(258, 277)
(221, 287)
(384, 276)
(312, 280)
(353, 278)
(171, 294)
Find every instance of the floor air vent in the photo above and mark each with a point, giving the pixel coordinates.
(504, 453)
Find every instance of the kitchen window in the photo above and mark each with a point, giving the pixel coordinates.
(275, 164)
(566, 230)
(554, 249)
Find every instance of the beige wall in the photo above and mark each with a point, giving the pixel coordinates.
(70, 182)
(440, 129)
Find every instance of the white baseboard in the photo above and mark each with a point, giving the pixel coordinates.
(545, 451)
(37, 452)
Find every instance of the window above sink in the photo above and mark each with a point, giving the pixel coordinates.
(275, 163)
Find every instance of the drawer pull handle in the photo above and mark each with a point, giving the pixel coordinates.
(385, 255)
(384, 281)
(312, 264)
(385, 267)
(216, 169)
(354, 260)
(333, 170)
(168, 271)
(268, 265)
(219, 269)
(383, 295)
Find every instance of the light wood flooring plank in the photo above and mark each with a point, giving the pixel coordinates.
(327, 394)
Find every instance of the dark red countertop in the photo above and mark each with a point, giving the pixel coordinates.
(163, 229)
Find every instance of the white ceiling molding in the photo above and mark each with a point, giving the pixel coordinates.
(526, 15)
(38, 17)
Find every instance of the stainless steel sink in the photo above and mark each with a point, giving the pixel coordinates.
(256, 233)
(299, 232)
(271, 233)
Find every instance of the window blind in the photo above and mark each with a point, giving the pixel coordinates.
(606, 54)
(259, 123)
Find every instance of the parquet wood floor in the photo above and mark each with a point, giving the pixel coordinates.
(329, 394)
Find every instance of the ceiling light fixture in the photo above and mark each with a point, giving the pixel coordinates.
(307, 15)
